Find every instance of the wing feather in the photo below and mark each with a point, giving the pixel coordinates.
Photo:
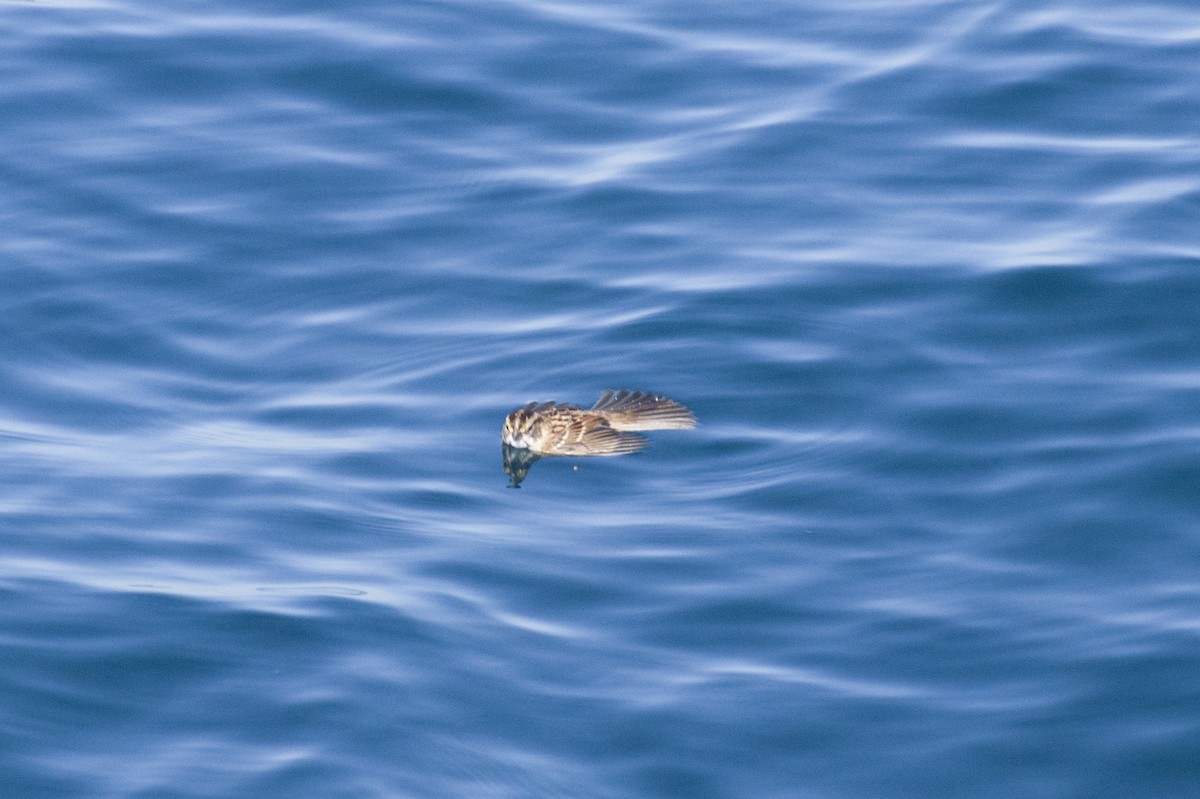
(638, 410)
(598, 440)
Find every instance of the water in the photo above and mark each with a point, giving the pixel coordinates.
(271, 275)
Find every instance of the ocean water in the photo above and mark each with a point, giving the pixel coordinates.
(272, 274)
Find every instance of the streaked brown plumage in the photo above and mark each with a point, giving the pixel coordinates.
(550, 428)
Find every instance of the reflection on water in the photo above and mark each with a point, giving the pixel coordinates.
(517, 461)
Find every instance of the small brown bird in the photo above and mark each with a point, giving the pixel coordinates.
(550, 428)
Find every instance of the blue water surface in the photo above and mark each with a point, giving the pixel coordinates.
(271, 275)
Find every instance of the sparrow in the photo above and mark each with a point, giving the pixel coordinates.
(551, 428)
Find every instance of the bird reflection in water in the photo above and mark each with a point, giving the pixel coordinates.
(517, 462)
(550, 428)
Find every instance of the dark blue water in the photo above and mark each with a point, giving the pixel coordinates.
(271, 275)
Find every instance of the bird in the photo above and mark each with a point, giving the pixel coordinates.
(606, 428)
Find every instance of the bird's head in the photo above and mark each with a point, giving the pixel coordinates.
(519, 427)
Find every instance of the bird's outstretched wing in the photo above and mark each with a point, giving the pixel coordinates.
(637, 410)
(592, 437)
